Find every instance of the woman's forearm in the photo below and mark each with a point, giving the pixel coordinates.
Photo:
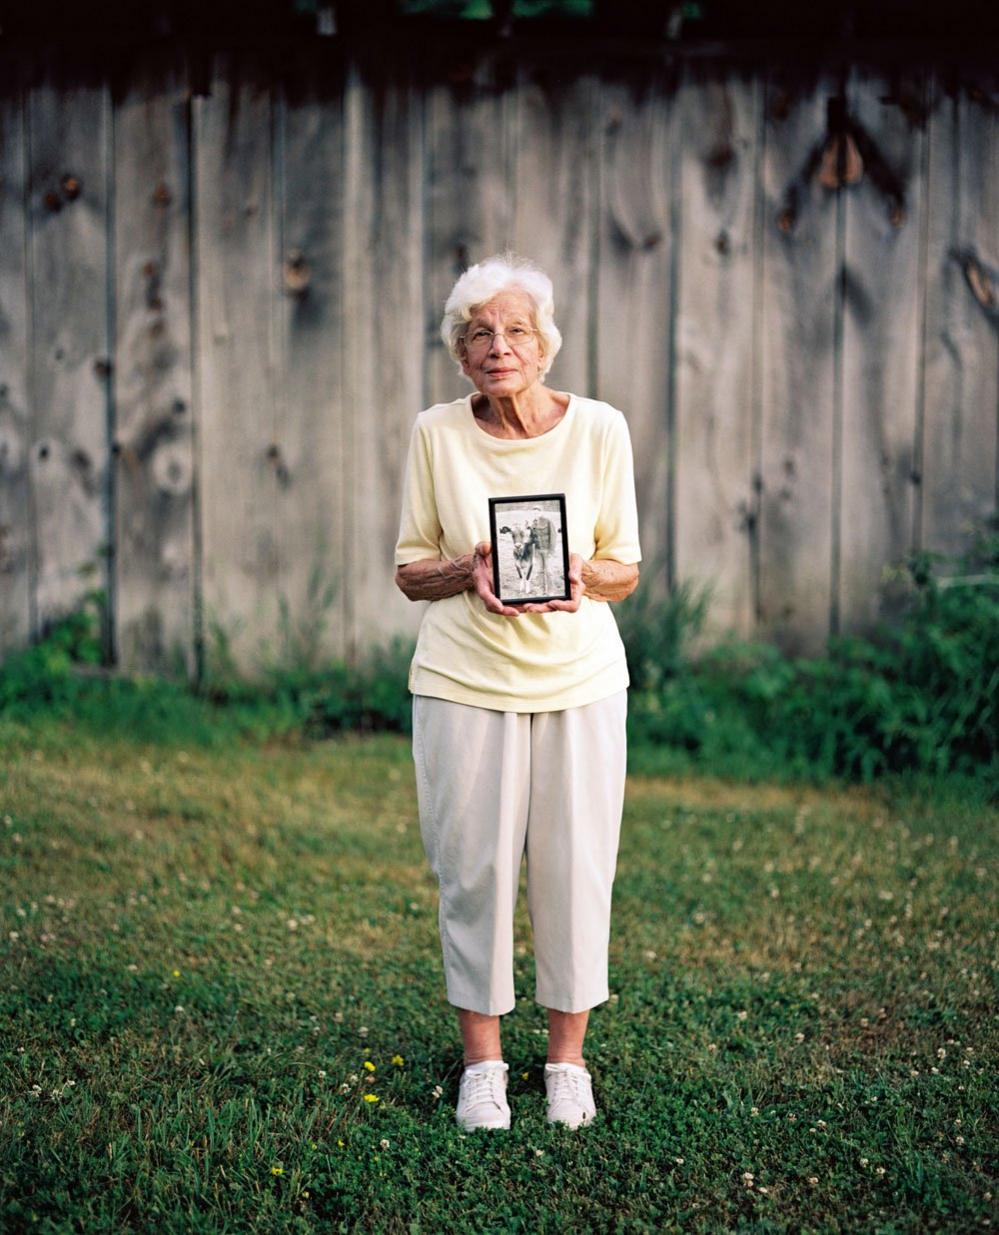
(435, 580)
(606, 579)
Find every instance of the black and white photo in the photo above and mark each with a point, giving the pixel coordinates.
(529, 548)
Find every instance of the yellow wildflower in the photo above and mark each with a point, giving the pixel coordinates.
(370, 1097)
(176, 973)
(369, 1065)
(277, 1170)
(398, 1060)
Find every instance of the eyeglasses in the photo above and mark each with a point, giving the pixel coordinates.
(481, 338)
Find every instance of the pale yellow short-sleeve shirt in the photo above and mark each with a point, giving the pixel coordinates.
(539, 662)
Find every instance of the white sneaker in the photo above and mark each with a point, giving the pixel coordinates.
(482, 1096)
(570, 1094)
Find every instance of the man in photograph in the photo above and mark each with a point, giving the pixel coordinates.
(543, 536)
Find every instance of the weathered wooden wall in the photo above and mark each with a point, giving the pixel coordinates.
(218, 318)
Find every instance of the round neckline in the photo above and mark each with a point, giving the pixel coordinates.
(506, 443)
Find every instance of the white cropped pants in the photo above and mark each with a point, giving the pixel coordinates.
(490, 784)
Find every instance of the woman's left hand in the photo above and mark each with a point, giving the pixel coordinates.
(576, 588)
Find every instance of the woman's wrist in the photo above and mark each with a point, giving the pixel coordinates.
(461, 570)
(608, 580)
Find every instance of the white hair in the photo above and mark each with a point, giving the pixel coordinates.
(504, 272)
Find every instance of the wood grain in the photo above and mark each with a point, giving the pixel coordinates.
(16, 524)
(153, 447)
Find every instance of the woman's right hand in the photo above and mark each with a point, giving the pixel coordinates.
(482, 581)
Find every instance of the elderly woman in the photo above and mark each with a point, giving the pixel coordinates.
(518, 710)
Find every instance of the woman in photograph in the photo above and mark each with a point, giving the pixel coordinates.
(518, 710)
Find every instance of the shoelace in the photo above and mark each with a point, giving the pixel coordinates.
(573, 1083)
(484, 1087)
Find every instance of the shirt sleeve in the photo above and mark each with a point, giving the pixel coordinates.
(419, 526)
(616, 533)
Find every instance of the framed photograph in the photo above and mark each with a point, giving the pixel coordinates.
(530, 547)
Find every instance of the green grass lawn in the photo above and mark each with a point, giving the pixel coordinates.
(223, 1007)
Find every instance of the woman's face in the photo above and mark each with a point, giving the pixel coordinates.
(505, 363)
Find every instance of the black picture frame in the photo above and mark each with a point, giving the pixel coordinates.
(502, 512)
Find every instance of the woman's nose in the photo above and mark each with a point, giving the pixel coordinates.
(496, 345)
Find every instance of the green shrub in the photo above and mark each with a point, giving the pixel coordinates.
(920, 695)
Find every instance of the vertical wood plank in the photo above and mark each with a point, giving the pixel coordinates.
(881, 342)
(68, 224)
(386, 352)
(153, 447)
(15, 427)
(311, 395)
(638, 125)
(245, 482)
(716, 366)
(469, 208)
(959, 461)
(798, 365)
(555, 217)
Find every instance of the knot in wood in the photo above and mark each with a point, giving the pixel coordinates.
(720, 155)
(71, 187)
(841, 162)
(297, 273)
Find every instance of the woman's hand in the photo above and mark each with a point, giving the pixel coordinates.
(482, 581)
(576, 588)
